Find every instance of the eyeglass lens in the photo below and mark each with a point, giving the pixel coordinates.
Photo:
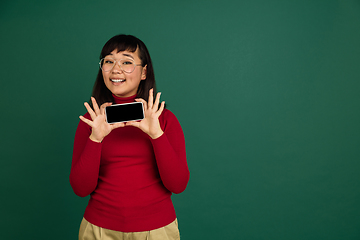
(127, 65)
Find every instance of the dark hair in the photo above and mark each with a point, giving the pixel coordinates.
(129, 43)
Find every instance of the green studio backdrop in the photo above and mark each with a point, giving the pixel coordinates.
(267, 93)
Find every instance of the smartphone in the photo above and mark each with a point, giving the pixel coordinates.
(124, 112)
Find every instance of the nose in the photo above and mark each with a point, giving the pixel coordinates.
(117, 67)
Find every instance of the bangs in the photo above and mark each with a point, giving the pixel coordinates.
(120, 43)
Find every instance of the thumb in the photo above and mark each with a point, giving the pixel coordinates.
(117, 125)
(133, 123)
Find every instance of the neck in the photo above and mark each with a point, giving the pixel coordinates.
(120, 100)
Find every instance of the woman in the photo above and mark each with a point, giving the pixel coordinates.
(129, 169)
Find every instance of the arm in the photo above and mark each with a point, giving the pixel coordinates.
(170, 154)
(85, 162)
(168, 141)
(87, 148)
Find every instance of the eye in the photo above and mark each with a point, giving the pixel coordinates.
(108, 61)
(127, 62)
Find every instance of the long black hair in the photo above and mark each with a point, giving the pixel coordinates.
(129, 43)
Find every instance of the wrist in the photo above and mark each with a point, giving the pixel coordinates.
(94, 139)
(156, 135)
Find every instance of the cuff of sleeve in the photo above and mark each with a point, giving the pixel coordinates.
(159, 140)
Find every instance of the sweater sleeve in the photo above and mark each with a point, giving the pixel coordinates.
(85, 161)
(170, 154)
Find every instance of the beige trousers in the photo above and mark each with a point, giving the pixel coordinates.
(89, 231)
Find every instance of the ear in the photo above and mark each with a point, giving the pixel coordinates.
(143, 73)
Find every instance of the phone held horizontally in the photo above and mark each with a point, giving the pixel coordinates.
(124, 112)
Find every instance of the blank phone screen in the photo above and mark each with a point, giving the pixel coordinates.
(124, 112)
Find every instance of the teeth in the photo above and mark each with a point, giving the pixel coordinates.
(118, 80)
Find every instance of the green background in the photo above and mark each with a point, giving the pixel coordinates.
(267, 93)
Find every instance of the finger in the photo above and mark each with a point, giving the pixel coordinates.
(95, 106)
(143, 102)
(117, 125)
(157, 100)
(90, 111)
(151, 98)
(103, 106)
(133, 123)
(87, 121)
(162, 106)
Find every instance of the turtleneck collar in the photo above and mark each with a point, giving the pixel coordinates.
(121, 100)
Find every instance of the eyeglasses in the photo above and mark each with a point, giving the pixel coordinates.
(127, 65)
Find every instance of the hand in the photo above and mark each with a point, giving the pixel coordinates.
(100, 128)
(150, 124)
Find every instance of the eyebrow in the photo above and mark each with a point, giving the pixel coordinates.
(128, 55)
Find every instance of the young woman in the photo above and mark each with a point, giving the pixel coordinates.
(129, 169)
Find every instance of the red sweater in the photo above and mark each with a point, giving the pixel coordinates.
(129, 176)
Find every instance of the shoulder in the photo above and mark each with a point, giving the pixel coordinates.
(87, 115)
(168, 118)
(82, 126)
(167, 115)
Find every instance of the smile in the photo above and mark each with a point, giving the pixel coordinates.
(117, 80)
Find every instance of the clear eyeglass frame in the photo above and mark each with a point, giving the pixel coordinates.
(118, 62)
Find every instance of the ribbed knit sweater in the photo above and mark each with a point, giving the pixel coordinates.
(129, 176)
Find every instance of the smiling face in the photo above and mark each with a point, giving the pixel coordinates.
(120, 83)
